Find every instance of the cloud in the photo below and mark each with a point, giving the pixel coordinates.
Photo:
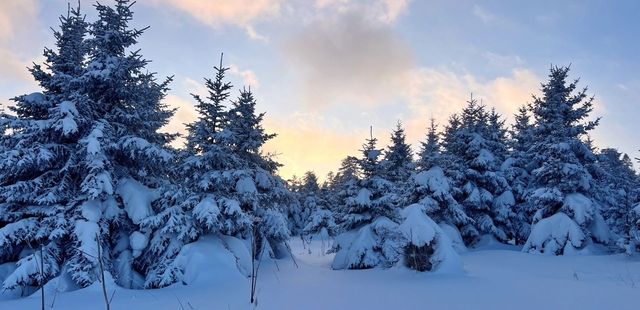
(387, 11)
(483, 14)
(503, 61)
(16, 22)
(14, 15)
(13, 68)
(249, 77)
(221, 13)
(347, 58)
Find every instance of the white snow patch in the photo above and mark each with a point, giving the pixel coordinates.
(263, 180)
(207, 261)
(207, 212)
(363, 197)
(581, 207)
(92, 210)
(434, 179)
(245, 185)
(557, 234)
(137, 199)
(138, 242)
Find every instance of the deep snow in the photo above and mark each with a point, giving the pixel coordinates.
(495, 277)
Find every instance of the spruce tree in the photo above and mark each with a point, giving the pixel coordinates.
(398, 158)
(474, 146)
(562, 187)
(199, 201)
(245, 134)
(430, 151)
(374, 197)
(617, 190)
(431, 188)
(516, 170)
(40, 163)
(206, 131)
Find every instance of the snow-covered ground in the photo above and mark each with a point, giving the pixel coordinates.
(494, 277)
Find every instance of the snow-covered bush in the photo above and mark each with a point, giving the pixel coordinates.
(427, 246)
(418, 242)
(378, 244)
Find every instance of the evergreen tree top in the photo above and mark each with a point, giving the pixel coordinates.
(562, 111)
(398, 157)
(310, 182)
(430, 149)
(369, 163)
(206, 130)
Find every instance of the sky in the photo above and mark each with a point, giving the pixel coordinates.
(324, 71)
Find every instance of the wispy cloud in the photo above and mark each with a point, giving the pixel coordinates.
(18, 20)
(347, 58)
(483, 14)
(387, 11)
(249, 78)
(221, 13)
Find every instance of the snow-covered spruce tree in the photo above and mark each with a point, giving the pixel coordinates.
(197, 202)
(319, 220)
(309, 197)
(41, 164)
(343, 186)
(504, 213)
(370, 236)
(125, 155)
(433, 191)
(431, 188)
(430, 154)
(374, 197)
(398, 158)
(450, 148)
(473, 155)
(516, 170)
(617, 189)
(223, 188)
(297, 215)
(567, 218)
(262, 194)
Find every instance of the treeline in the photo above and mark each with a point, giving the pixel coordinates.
(540, 183)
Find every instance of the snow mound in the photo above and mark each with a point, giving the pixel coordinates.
(137, 199)
(208, 261)
(556, 235)
(417, 227)
(91, 210)
(454, 235)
